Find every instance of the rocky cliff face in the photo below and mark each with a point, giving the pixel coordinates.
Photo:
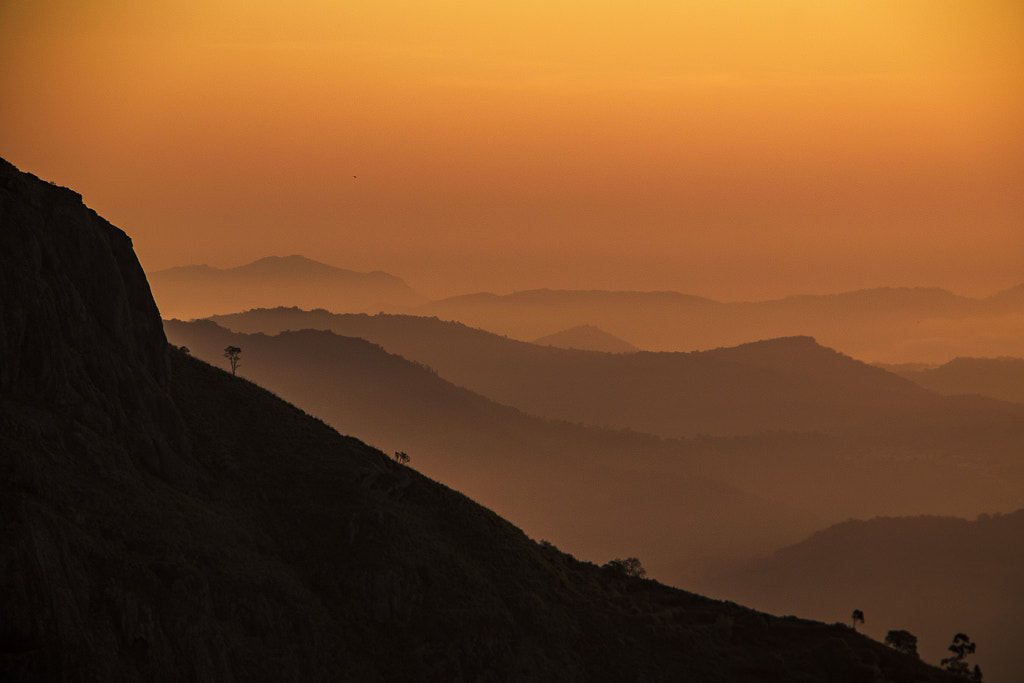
(80, 335)
(84, 398)
(161, 520)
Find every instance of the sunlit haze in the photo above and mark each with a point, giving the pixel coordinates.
(732, 149)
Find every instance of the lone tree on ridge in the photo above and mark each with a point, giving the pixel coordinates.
(961, 647)
(857, 616)
(234, 356)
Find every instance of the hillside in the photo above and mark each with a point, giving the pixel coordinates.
(890, 569)
(199, 291)
(891, 325)
(719, 499)
(555, 479)
(788, 384)
(165, 521)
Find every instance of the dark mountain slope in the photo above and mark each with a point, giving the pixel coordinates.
(935, 576)
(197, 291)
(791, 384)
(164, 521)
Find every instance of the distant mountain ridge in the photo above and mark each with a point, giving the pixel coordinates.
(882, 325)
(1000, 378)
(586, 338)
(201, 290)
(784, 384)
(885, 324)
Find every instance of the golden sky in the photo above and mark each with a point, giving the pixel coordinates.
(737, 149)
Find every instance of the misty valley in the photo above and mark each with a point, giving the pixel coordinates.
(714, 467)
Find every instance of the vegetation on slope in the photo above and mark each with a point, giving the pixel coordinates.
(933, 576)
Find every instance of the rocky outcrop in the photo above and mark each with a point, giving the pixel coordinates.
(84, 398)
(80, 335)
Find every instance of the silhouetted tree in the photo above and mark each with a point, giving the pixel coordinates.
(902, 641)
(628, 567)
(857, 616)
(402, 457)
(234, 355)
(957, 664)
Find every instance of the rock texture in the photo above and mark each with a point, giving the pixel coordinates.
(78, 325)
(162, 520)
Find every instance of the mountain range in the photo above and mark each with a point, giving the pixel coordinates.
(791, 384)
(876, 325)
(198, 291)
(164, 520)
(881, 325)
(719, 498)
(1000, 378)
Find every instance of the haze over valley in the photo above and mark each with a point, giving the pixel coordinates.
(879, 325)
(702, 463)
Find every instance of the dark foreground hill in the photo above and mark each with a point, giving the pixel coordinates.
(165, 521)
(888, 568)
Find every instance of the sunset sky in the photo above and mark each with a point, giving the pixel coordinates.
(737, 149)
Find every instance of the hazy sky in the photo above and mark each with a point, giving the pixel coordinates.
(731, 148)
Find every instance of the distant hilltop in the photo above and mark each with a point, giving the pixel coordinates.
(199, 290)
(587, 338)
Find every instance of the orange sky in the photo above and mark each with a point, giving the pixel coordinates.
(732, 148)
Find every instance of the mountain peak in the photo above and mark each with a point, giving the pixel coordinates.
(587, 338)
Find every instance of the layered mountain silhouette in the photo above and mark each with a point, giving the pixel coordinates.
(877, 325)
(943, 456)
(888, 568)
(199, 291)
(790, 384)
(597, 491)
(881, 325)
(166, 521)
